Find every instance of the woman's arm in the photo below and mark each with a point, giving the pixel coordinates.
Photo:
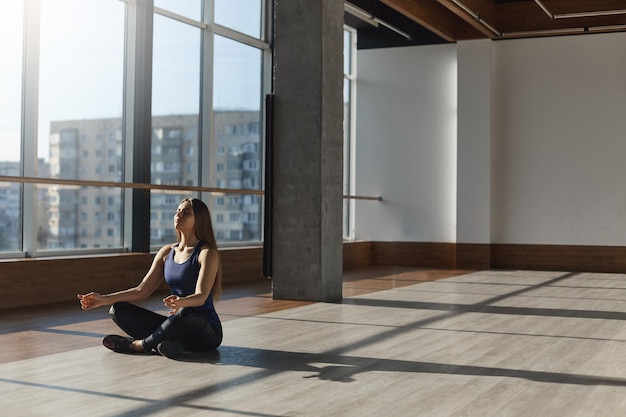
(147, 286)
(209, 262)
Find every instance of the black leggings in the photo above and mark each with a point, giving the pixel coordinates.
(192, 329)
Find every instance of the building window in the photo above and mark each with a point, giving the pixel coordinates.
(254, 128)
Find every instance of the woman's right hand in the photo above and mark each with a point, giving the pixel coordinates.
(90, 300)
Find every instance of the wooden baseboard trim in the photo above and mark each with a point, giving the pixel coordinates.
(576, 258)
(417, 254)
(357, 255)
(473, 256)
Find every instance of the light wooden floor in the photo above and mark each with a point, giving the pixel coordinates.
(403, 342)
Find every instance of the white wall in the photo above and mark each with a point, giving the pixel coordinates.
(406, 144)
(474, 141)
(558, 142)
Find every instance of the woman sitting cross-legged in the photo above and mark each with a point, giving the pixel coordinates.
(191, 268)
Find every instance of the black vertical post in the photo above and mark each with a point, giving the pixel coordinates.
(142, 124)
(267, 221)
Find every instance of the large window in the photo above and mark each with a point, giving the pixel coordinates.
(84, 109)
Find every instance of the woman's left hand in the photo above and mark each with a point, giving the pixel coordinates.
(173, 303)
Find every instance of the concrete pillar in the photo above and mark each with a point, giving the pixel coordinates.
(308, 145)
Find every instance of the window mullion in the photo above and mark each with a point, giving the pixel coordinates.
(138, 121)
(30, 122)
(208, 146)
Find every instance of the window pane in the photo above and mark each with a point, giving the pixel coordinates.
(236, 157)
(72, 217)
(10, 213)
(188, 8)
(237, 160)
(347, 48)
(80, 122)
(163, 205)
(11, 19)
(242, 15)
(175, 68)
(347, 178)
(237, 77)
(81, 70)
(236, 217)
(175, 150)
(175, 119)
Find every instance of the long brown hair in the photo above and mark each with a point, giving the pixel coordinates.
(204, 232)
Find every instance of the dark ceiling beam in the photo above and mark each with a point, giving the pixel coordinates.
(480, 14)
(430, 14)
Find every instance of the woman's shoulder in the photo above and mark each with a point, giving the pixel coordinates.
(166, 249)
(207, 251)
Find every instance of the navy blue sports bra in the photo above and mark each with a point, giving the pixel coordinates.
(182, 279)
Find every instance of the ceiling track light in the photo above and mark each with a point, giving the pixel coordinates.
(545, 32)
(491, 28)
(544, 8)
(589, 14)
(606, 28)
(360, 14)
(372, 20)
(393, 28)
(477, 17)
(580, 14)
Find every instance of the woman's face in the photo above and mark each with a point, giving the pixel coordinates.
(184, 218)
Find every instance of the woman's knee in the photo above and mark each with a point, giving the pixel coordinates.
(183, 313)
(116, 308)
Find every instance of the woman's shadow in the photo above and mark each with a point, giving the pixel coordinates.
(274, 361)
